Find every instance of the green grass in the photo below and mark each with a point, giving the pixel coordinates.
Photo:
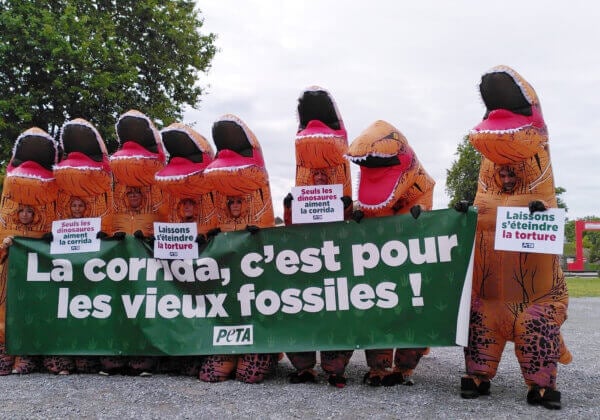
(584, 286)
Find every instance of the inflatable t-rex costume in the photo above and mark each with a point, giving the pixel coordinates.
(134, 166)
(29, 187)
(183, 177)
(192, 201)
(520, 297)
(239, 170)
(392, 181)
(243, 196)
(84, 180)
(138, 201)
(321, 143)
(84, 173)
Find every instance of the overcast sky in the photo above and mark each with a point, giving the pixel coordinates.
(415, 64)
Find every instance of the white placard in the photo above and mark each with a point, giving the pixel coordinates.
(541, 232)
(317, 203)
(75, 235)
(175, 241)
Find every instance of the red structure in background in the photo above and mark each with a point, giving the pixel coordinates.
(580, 226)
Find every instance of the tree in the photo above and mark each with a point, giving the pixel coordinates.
(95, 59)
(462, 177)
(559, 201)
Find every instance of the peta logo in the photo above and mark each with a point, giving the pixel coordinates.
(527, 245)
(233, 335)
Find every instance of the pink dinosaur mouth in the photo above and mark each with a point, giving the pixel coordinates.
(505, 120)
(230, 160)
(318, 128)
(180, 167)
(30, 169)
(132, 149)
(377, 185)
(83, 161)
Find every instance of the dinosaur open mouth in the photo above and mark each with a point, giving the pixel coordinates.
(179, 167)
(80, 160)
(317, 105)
(378, 185)
(79, 137)
(230, 160)
(31, 169)
(503, 120)
(133, 150)
(33, 147)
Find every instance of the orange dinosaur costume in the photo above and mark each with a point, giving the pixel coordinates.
(134, 166)
(84, 173)
(29, 187)
(520, 297)
(84, 180)
(321, 143)
(138, 202)
(183, 177)
(243, 196)
(392, 181)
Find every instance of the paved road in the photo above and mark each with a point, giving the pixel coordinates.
(435, 394)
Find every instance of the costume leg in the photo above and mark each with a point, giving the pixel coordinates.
(379, 362)
(252, 368)
(25, 364)
(335, 362)
(406, 360)
(303, 360)
(87, 364)
(538, 343)
(379, 359)
(6, 361)
(486, 342)
(218, 368)
(142, 365)
(112, 364)
(59, 364)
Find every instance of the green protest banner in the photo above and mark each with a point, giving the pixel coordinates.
(384, 282)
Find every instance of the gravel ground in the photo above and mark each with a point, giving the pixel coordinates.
(434, 395)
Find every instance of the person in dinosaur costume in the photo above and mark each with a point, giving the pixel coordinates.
(392, 181)
(84, 182)
(27, 208)
(243, 196)
(519, 297)
(321, 143)
(84, 173)
(192, 202)
(137, 202)
(183, 177)
(134, 166)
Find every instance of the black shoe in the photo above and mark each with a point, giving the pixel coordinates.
(469, 389)
(550, 399)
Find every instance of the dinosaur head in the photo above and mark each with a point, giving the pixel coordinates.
(321, 140)
(239, 167)
(29, 179)
(388, 165)
(513, 128)
(141, 152)
(85, 170)
(190, 153)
